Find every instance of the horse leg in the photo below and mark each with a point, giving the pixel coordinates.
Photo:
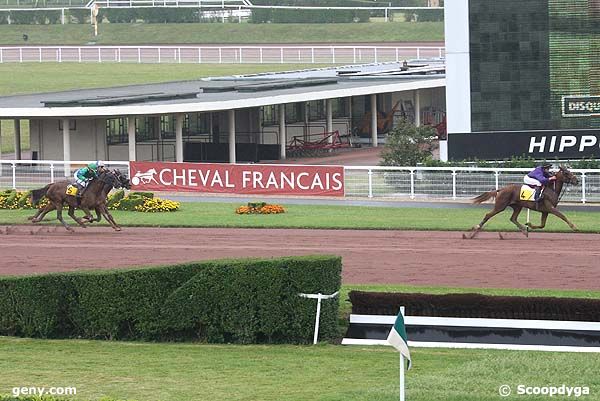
(59, 217)
(109, 217)
(561, 216)
(87, 214)
(98, 215)
(41, 213)
(543, 222)
(476, 229)
(72, 215)
(514, 217)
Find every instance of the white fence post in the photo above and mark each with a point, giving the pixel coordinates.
(14, 175)
(453, 184)
(370, 174)
(583, 188)
(412, 184)
(51, 172)
(496, 178)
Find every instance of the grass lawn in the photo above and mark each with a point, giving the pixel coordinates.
(325, 216)
(48, 77)
(175, 371)
(228, 33)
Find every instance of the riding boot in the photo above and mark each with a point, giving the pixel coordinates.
(538, 196)
(80, 191)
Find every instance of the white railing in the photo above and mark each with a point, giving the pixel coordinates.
(415, 183)
(452, 183)
(31, 174)
(297, 54)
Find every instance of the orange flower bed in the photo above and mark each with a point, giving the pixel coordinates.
(261, 208)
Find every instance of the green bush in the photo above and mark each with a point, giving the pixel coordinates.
(81, 15)
(130, 202)
(115, 198)
(514, 162)
(241, 301)
(146, 195)
(408, 145)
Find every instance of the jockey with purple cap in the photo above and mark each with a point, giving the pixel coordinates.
(539, 177)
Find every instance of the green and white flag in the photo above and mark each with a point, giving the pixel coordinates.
(397, 338)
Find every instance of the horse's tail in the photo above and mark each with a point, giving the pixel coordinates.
(38, 194)
(485, 196)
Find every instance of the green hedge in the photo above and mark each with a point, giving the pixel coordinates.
(239, 301)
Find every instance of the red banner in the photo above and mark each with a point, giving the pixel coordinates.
(263, 179)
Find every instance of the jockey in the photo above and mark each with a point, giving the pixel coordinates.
(539, 177)
(85, 174)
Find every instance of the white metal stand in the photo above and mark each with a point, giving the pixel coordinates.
(318, 297)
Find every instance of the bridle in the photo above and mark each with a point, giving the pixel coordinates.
(566, 183)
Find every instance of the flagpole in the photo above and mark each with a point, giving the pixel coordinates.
(401, 366)
(401, 377)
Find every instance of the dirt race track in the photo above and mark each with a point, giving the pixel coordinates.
(565, 261)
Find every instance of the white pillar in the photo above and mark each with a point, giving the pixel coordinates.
(417, 108)
(458, 70)
(179, 137)
(282, 132)
(17, 139)
(231, 123)
(66, 146)
(131, 137)
(444, 151)
(374, 120)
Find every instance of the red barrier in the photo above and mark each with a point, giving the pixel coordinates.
(238, 178)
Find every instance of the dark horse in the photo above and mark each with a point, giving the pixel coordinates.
(510, 196)
(94, 198)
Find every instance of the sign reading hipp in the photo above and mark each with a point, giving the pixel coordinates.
(238, 178)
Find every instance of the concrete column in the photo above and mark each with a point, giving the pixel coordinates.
(417, 108)
(329, 113)
(66, 146)
(282, 132)
(350, 125)
(17, 139)
(131, 137)
(231, 124)
(179, 137)
(157, 128)
(374, 120)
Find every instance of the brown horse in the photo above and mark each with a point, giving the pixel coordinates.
(93, 198)
(510, 196)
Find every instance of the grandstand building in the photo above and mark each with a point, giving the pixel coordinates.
(230, 119)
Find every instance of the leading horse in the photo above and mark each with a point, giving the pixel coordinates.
(510, 196)
(94, 198)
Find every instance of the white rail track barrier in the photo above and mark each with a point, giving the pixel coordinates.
(334, 54)
(410, 183)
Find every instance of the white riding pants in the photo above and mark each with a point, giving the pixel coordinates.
(531, 181)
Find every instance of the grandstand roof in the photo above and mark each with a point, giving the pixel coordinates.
(224, 93)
